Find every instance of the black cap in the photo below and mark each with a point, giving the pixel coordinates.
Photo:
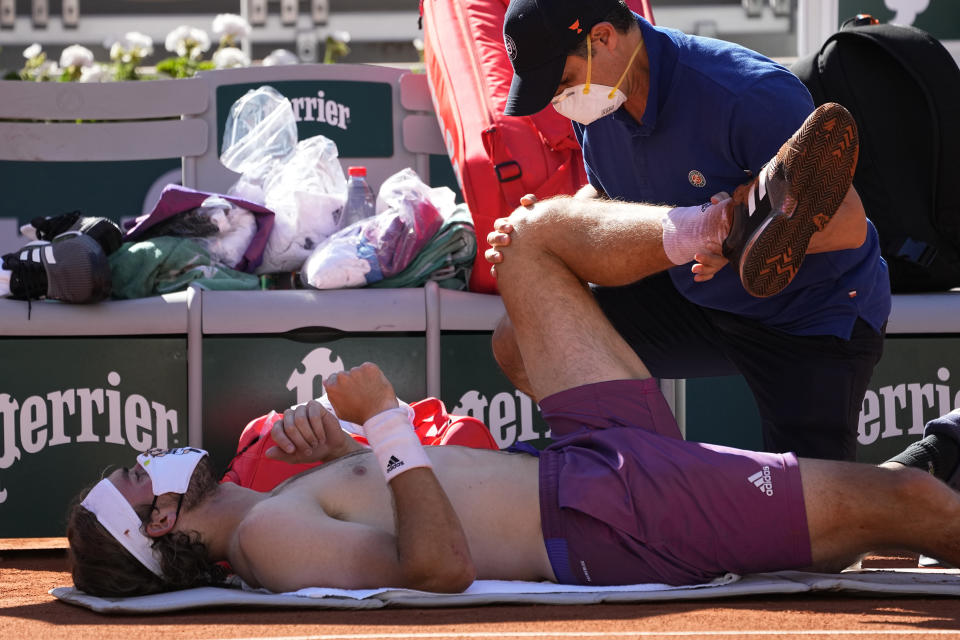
(538, 35)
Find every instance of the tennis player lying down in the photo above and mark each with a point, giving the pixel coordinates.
(618, 498)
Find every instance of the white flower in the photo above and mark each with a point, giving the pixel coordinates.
(279, 57)
(175, 39)
(76, 56)
(341, 36)
(138, 44)
(229, 58)
(186, 40)
(32, 51)
(95, 73)
(117, 51)
(231, 25)
(418, 44)
(48, 69)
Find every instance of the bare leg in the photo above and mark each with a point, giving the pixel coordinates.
(847, 229)
(606, 242)
(507, 354)
(601, 241)
(613, 243)
(542, 287)
(853, 509)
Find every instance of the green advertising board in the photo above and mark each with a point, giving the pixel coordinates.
(912, 384)
(722, 411)
(247, 376)
(918, 379)
(76, 407)
(357, 116)
(472, 384)
(114, 190)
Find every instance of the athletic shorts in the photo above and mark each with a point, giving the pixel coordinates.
(625, 500)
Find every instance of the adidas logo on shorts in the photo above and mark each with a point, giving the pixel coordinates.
(394, 463)
(762, 480)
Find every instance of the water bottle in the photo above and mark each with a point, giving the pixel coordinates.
(361, 201)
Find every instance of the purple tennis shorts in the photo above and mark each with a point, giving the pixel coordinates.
(625, 500)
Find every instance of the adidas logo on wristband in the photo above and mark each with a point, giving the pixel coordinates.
(393, 464)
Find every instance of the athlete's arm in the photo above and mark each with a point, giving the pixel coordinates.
(430, 547)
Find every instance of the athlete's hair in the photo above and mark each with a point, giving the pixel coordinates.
(101, 566)
(621, 17)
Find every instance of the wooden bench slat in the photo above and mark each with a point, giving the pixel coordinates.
(102, 101)
(64, 142)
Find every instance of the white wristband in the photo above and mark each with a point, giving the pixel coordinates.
(394, 442)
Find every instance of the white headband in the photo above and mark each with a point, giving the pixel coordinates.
(117, 516)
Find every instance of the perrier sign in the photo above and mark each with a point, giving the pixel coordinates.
(77, 407)
(337, 109)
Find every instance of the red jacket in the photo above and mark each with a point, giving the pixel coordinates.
(252, 469)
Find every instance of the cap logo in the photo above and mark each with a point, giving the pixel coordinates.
(696, 179)
(511, 47)
(575, 27)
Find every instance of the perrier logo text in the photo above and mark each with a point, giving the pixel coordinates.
(31, 424)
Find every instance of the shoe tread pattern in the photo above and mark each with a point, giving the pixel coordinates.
(818, 163)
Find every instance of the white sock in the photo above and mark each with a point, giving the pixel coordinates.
(4, 282)
(686, 230)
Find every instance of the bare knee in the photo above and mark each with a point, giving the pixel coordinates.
(540, 227)
(854, 509)
(911, 485)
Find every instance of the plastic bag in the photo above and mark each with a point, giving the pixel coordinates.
(406, 184)
(260, 131)
(301, 182)
(307, 194)
(382, 246)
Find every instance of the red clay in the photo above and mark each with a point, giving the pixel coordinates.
(28, 611)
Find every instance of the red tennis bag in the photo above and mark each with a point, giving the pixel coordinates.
(497, 158)
(251, 467)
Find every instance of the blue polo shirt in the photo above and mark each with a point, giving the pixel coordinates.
(716, 113)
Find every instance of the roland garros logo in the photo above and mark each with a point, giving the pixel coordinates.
(511, 47)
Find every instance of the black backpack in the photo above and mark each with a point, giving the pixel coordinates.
(903, 89)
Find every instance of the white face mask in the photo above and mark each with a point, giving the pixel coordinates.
(587, 102)
(170, 471)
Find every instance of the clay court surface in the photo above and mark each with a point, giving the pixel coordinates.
(29, 568)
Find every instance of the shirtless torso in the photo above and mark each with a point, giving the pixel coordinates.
(329, 526)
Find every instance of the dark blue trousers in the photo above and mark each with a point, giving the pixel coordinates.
(808, 389)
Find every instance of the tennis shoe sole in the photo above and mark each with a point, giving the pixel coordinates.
(795, 195)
